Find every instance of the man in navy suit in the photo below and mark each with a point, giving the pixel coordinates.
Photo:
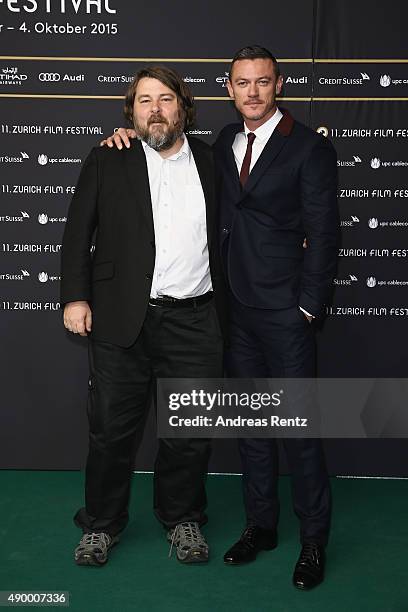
(277, 185)
(277, 182)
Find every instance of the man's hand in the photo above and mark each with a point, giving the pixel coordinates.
(119, 138)
(78, 318)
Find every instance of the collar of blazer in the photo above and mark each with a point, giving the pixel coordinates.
(138, 177)
(272, 148)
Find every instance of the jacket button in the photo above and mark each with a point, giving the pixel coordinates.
(149, 276)
(225, 230)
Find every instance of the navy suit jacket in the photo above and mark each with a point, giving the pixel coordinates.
(291, 193)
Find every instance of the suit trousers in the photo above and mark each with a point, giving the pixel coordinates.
(279, 344)
(173, 343)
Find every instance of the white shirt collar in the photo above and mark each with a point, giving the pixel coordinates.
(264, 132)
(184, 151)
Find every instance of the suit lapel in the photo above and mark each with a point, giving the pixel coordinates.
(271, 151)
(138, 177)
(205, 168)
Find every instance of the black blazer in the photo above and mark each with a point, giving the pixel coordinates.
(112, 197)
(291, 193)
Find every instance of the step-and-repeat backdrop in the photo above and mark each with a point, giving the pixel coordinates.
(64, 68)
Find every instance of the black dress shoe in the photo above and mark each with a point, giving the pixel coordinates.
(309, 570)
(252, 540)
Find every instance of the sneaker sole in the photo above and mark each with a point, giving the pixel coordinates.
(193, 558)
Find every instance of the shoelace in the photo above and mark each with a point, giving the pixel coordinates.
(95, 539)
(247, 536)
(189, 532)
(309, 554)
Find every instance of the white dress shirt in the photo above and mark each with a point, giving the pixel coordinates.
(263, 133)
(182, 266)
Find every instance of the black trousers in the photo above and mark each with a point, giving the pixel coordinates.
(279, 344)
(173, 343)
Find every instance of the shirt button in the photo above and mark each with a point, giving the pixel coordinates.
(149, 277)
(225, 230)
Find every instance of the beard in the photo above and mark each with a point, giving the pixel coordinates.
(163, 135)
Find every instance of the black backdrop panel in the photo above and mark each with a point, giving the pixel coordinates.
(364, 29)
(62, 89)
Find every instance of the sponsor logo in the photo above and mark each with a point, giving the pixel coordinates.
(296, 80)
(15, 276)
(351, 163)
(377, 163)
(364, 77)
(43, 160)
(374, 282)
(44, 277)
(43, 219)
(15, 218)
(14, 159)
(374, 223)
(115, 78)
(200, 132)
(350, 222)
(55, 77)
(10, 77)
(189, 79)
(222, 80)
(345, 282)
(385, 80)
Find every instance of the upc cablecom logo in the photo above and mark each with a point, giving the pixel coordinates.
(385, 80)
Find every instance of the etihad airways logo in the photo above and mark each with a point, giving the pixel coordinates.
(10, 77)
(222, 80)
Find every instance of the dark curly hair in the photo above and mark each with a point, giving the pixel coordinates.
(171, 79)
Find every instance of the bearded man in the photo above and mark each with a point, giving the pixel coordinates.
(151, 302)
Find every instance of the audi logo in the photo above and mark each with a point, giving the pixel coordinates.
(49, 76)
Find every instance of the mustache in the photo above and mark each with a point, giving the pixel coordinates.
(254, 101)
(157, 119)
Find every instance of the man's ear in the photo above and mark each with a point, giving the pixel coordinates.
(279, 85)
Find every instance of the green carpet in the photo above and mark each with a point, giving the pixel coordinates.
(366, 569)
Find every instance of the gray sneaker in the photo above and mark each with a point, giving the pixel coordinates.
(93, 548)
(189, 542)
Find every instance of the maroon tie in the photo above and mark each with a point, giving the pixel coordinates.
(246, 164)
